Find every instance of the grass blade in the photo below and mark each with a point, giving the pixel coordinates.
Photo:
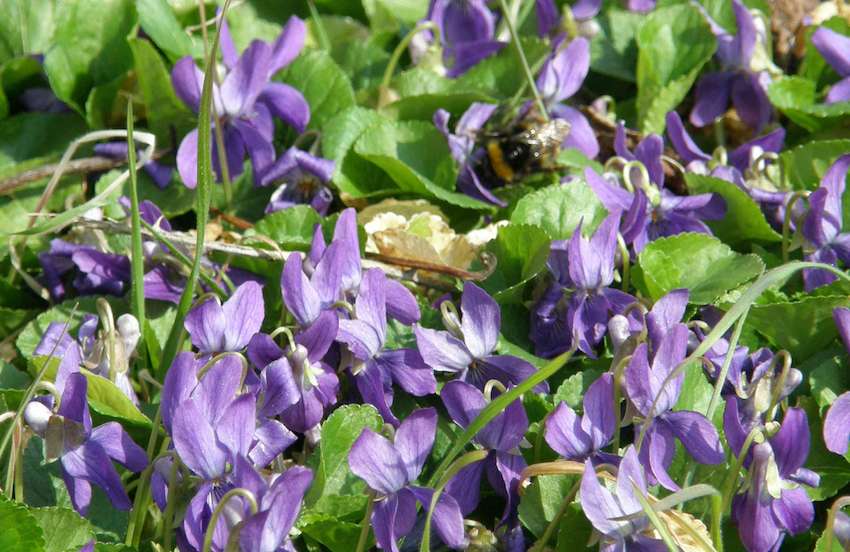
(137, 259)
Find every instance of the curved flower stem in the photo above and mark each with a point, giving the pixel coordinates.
(829, 531)
(541, 543)
(724, 369)
(780, 381)
(238, 491)
(401, 47)
(624, 253)
(619, 369)
(171, 499)
(523, 60)
(364, 528)
(786, 222)
(322, 34)
(729, 485)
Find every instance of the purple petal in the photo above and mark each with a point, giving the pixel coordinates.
(414, 439)
(772, 141)
(464, 56)
(547, 16)
(401, 303)
(600, 419)
(751, 101)
(839, 92)
(375, 387)
(287, 104)
(563, 74)
(630, 473)
(362, 339)
(74, 405)
(187, 159)
(319, 336)
(272, 438)
(666, 313)
(598, 504)
(89, 462)
(791, 443)
(697, 434)
(582, 136)
(119, 446)
(841, 316)
(711, 98)
(447, 519)
(196, 442)
(441, 350)
(393, 518)
(280, 389)
(179, 382)
(508, 369)
(378, 463)
(409, 371)
(288, 45)
(613, 197)
(794, 510)
(188, 81)
(235, 428)
(480, 320)
(738, 51)
(467, 22)
(229, 55)
(835, 49)
(465, 487)
(287, 493)
(300, 297)
(463, 401)
(206, 325)
(657, 454)
(243, 314)
(259, 147)
(474, 118)
(564, 433)
(246, 80)
(638, 380)
(685, 146)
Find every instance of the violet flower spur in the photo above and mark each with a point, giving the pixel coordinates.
(296, 384)
(501, 437)
(601, 506)
(835, 49)
(836, 423)
(85, 453)
(773, 502)
(822, 228)
(561, 76)
(466, 34)
(462, 145)
(301, 179)
(584, 438)
(246, 102)
(375, 369)
(216, 328)
(389, 468)
(742, 80)
(654, 398)
(466, 349)
(159, 173)
(576, 307)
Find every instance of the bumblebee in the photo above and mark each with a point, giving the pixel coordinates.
(529, 145)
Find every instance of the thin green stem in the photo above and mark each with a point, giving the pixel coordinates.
(238, 491)
(168, 515)
(523, 60)
(324, 41)
(137, 259)
(735, 470)
(363, 539)
(724, 369)
(549, 532)
(717, 521)
(402, 46)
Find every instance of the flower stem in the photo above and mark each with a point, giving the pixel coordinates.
(402, 46)
(171, 499)
(549, 532)
(523, 60)
(829, 532)
(238, 491)
(724, 369)
(365, 526)
(729, 485)
(324, 41)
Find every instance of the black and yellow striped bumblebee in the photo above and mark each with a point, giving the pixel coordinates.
(525, 146)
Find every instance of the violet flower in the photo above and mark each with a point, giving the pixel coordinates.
(836, 423)
(773, 501)
(601, 506)
(159, 173)
(579, 302)
(740, 81)
(584, 438)
(85, 453)
(654, 398)
(466, 349)
(389, 468)
(650, 210)
(245, 101)
(376, 369)
(501, 437)
(301, 179)
(466, 33)
(561, 76)
(835, 49)
(549, 19)
(297, 385)
(462, 145)
(216, 328)
(822, 228)
(93, 272)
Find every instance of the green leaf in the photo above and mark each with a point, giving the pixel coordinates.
(31, 335)
(333, 477)
(335, 534)
(89, 47)
(743, 221)
(805, 165)
(674, 43)
(613, 51)
(558, 209)
(35, 135)
(572, 390)
(521, 252)
(702, 263)
(541, 500)
(415, 155)
(291, 228)
(26, 27)
(63, 529)
(499, 76)
(164, 112)
(159, 22)
(21, 532)
(797, 98)
(802, 327)
(826, 375)
(324, 85)
(354, 176)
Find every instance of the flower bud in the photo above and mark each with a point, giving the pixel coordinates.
(36, 416)
(619, 330)
(128, 329)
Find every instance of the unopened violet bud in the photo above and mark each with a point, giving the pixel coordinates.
(299, 355)
(36, 416)
(618, 330)
(128, 329)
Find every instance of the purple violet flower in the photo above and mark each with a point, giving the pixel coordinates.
(739, 82)
(579, 302)
(602, 506)
(376, 369)
(245, 101)
(773, 502)
(654, 397)
(835, 49)
(549, 19)
(216, 328)
(159, 173)
(466, 349)
(389, 468)
(301, 179)
(822, 228)
(501, 437)
(561, 77)
(94, 272)
(584, 438)
(836, 423)
(465, 153)
(466, 32)
(85, 453)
